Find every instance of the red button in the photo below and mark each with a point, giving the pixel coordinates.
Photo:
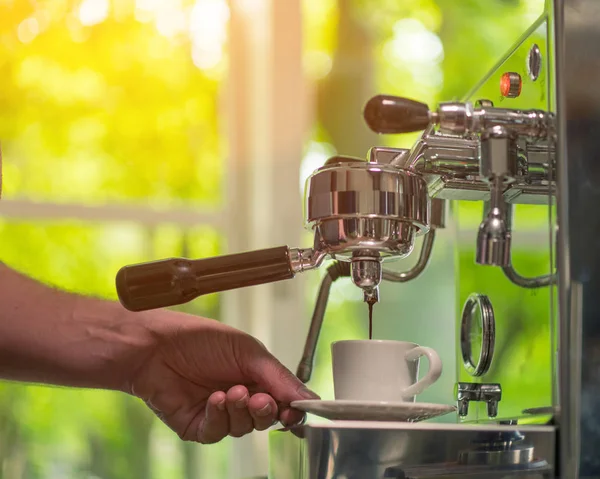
(511, 85)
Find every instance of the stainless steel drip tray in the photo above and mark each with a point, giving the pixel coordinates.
(372, 450)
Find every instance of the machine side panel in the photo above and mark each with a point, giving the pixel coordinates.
(522, 360)
(578, 72)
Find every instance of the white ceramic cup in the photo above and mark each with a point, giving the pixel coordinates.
(386, 371)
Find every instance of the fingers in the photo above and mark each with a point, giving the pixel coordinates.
(284, 386)
(277, 380)
(291, 417)
(263, 410)
(236, 414)
(216, 423)
(240, 421)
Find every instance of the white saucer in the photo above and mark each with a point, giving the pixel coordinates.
(347, 410)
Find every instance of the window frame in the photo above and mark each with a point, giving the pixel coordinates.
(265, 103)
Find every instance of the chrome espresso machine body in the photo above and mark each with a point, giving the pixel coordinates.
(525, 137)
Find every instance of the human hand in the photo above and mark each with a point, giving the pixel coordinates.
(206, 380)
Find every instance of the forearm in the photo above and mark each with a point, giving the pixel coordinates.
(53, 337)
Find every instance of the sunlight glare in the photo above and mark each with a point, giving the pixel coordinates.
(315, 157)
(318, 64)
(414, 43)
(250, 7)
(144, 10)
(170, 16)
(208, 32)
(171, 20)
(92, 12)
(28, 29)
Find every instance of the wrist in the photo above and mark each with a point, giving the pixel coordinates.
(117, 343)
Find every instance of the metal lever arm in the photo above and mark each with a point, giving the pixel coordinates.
(390, 114)
(176, 281)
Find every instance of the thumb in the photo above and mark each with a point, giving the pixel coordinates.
(275, 379)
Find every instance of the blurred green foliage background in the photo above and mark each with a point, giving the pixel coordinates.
(118, 102)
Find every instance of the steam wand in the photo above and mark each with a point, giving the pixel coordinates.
(336, 271)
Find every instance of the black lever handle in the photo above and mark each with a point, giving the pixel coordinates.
(174, 281)
(390, 114)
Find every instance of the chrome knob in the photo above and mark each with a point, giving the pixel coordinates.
(494, 235)
(390, 114)
(493, 240)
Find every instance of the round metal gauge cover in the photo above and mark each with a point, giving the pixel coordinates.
(478, 304)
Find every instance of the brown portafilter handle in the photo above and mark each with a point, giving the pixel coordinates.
(389, 115)
(175, 281)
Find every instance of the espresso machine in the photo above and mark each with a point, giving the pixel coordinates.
(527, 134)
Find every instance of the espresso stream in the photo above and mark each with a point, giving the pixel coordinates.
(371, 304)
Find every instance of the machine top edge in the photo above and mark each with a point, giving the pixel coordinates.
(427, 426)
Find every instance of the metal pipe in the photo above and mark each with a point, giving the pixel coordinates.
(335, 271)
(419, 267)
(529, 283)
(436, 154)
(509, 271)
(410, 161)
